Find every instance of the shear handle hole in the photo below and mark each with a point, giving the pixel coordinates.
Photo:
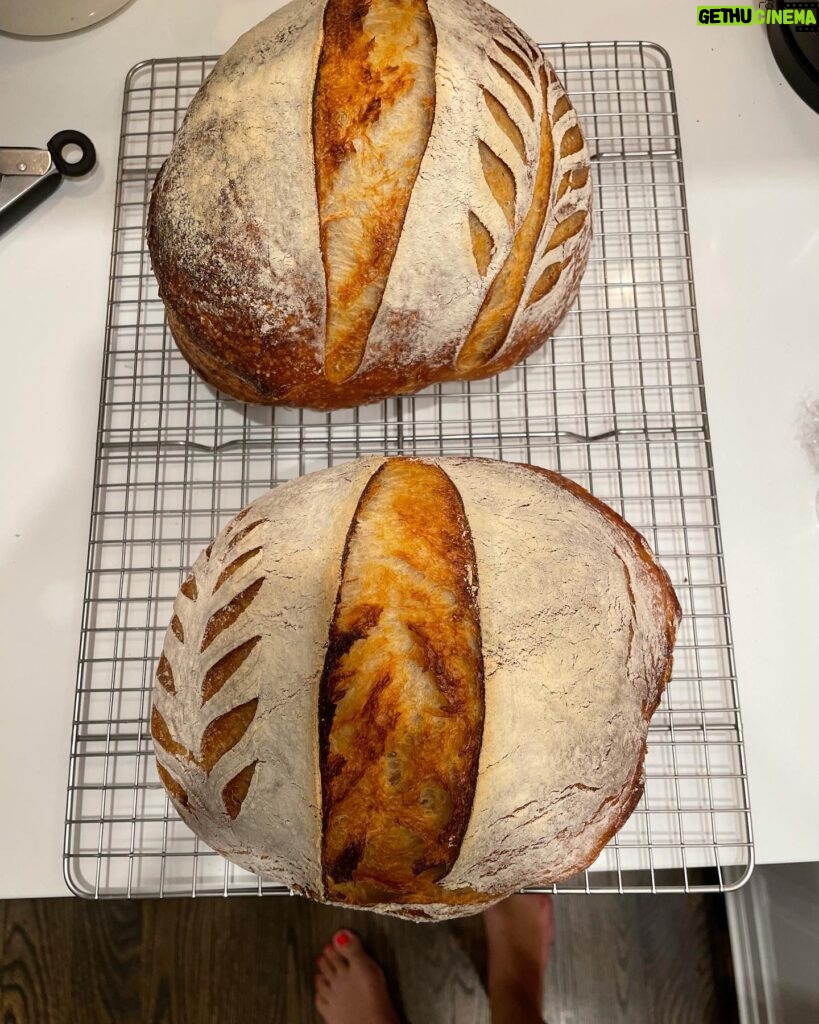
(73, 153)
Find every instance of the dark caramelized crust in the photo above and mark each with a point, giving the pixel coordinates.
(176, 790)
(401, 706)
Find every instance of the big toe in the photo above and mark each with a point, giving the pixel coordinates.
(348, 944)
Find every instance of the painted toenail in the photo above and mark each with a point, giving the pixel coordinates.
(342, 938)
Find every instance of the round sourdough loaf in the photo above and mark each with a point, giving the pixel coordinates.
(367, 197)
(414, 685)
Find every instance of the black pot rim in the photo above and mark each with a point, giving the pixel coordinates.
(797, 56)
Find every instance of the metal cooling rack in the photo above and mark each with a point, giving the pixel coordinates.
(616, 401)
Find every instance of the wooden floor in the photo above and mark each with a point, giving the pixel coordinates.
(617, 959)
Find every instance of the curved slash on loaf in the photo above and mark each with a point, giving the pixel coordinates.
(401, 698)
(572, 177)
(516, 58)
(522, 42)
(483, 244)
(505, 122)
(373, 109)
(501, 302)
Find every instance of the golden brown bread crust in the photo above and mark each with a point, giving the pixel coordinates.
(254, 387)
(283, 378)
(382, 114)
(372, 114)
(401, 700)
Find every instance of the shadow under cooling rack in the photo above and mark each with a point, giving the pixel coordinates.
(615, 401)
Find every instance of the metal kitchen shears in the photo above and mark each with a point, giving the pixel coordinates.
(29, 175)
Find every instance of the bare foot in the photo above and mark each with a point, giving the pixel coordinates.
(519, 933)
(350, 986)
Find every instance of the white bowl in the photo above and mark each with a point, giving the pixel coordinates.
(53, 17)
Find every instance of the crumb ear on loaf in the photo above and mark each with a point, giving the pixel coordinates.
(367, 197)
(414, 685)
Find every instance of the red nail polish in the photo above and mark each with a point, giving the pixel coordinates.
(342, 938)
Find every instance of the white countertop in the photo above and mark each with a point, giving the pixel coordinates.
(751, 151)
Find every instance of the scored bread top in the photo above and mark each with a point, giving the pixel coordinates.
(415, 685)
(231, 643)
(401, 702)
(373, 109)
(367, 197)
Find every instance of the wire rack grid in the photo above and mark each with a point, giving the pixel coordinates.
(615, 401)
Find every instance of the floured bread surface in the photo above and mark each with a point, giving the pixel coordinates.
(415, 685)
(370, 196)
(578, 625)
(235, 713)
